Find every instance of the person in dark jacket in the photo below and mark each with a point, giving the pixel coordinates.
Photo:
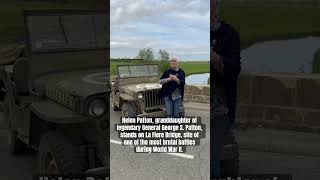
(225, 68)
(172, 91)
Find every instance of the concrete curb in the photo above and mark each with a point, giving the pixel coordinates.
(197, 106)
(275, 141)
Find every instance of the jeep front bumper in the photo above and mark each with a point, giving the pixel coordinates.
(162, 113)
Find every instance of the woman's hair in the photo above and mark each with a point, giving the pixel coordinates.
(173, 58)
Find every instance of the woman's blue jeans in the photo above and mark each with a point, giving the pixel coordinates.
(172, 106)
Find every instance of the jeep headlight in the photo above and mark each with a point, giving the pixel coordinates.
(97, 108)
(139, 95)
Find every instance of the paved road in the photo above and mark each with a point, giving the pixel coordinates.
(300, 167)
(128, 165)
(192, 165)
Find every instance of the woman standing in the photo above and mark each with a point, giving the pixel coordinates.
(172, 91)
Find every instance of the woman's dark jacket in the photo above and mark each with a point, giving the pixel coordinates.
(228, 47)
(168, 88)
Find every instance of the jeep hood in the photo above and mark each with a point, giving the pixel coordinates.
(81, 83)
(140, 87)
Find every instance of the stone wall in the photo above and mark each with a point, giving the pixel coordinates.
(279, 101)
(200, 94)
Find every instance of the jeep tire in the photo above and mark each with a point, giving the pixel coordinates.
(129, 110)
(57, 155)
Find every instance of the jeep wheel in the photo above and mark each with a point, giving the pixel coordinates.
(129, 110)
(59, 156)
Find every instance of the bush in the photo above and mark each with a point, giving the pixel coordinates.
(164, 65)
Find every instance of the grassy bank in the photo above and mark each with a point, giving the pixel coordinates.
(190, 67)
(316, 62)
(194, 67)
(275, 21)
(11, 26)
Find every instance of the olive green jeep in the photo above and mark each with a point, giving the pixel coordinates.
(55, 93)
(136, 89)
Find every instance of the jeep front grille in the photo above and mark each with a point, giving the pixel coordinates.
(152, 99)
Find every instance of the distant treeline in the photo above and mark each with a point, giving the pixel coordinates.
(125, 59)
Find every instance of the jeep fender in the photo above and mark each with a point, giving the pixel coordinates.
(126, 97)
(123, 97)
(55, 113)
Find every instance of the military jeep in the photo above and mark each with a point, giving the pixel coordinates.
(135, 91)
(55, 93)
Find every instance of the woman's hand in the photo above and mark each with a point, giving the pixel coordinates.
(171, 77)
(175, 78)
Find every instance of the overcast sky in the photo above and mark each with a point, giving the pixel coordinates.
(179, 26)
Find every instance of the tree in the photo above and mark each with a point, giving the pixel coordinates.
(164, 55)
(164, 60)
(146, 54)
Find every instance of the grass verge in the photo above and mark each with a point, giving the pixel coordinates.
(258, 22)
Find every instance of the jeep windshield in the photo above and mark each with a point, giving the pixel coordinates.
(61, 30)
(138, 71)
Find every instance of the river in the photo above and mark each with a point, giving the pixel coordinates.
(197, 79)
(283, 56)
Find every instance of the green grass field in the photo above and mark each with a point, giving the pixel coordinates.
(11, 26)
(260, 22)
(195, 67)
(115, 63)
(190, 67)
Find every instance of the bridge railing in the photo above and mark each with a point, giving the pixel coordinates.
(279, 101)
